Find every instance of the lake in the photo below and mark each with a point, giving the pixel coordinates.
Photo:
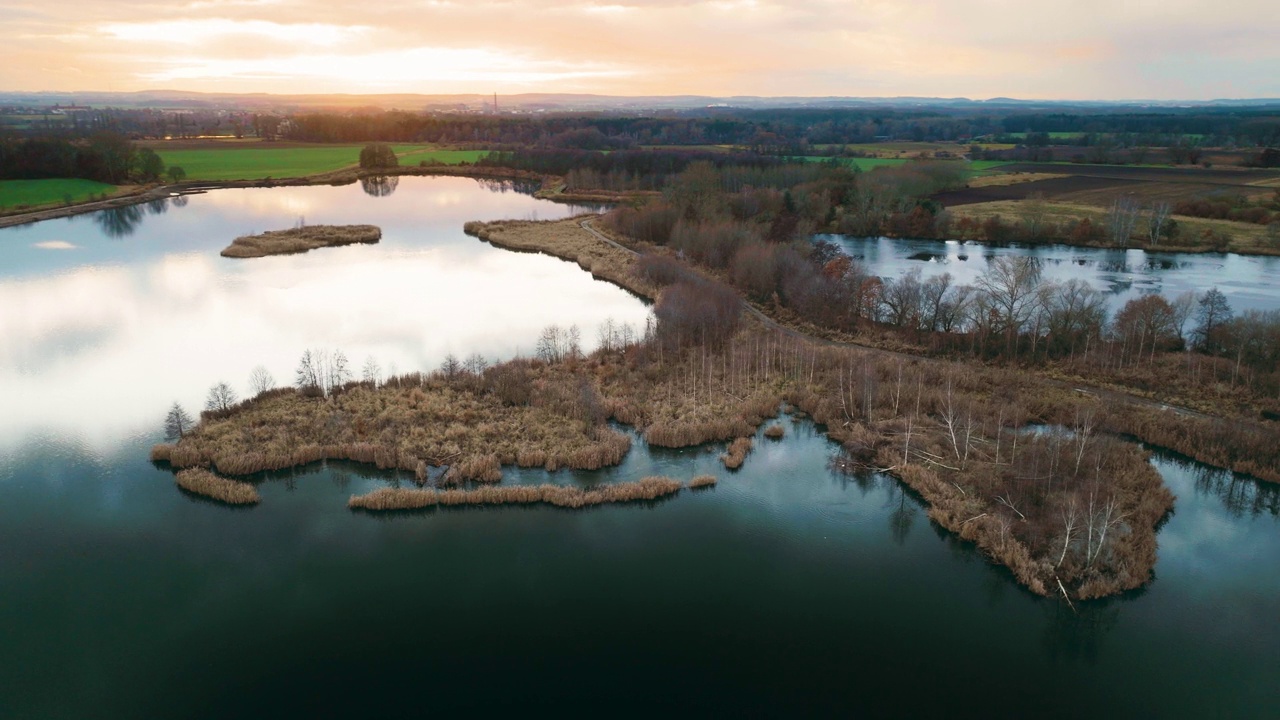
(791, 588)
(1248, 281)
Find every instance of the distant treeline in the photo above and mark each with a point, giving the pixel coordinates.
(103, 156)
(1258, 127)
(784, 131)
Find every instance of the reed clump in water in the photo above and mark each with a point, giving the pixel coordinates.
(737, 453)
(483, 469)
(645, 489)
(202, 482)
(300, 239)
(774, 432)
(702, 481)
(160, 452)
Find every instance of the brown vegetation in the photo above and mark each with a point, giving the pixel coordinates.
(203, 482)
(300, 239)
(567, 240)
(703, 481)
(775, 431)
(736, 454)
(645, 489)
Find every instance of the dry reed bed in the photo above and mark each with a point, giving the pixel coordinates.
(775, 432)
(411, 424)
(567, 240)
(202, 482)
(301, 239)
(388, 499)
(737, 453)
(702, 481)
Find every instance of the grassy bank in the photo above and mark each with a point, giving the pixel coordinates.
(1195, 234)
(260, 161)
(301, 239)
(21, 194)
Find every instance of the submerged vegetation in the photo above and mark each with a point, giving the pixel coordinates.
(300, 240)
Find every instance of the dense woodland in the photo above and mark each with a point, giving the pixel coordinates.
(103, 156)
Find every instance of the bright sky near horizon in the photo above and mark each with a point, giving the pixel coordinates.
(1085, 49)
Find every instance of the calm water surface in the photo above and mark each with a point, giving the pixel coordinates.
(789, 589)
(1248, 282)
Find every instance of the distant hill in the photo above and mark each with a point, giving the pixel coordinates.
(561, 101)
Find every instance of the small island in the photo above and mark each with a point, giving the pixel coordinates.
(301, 239)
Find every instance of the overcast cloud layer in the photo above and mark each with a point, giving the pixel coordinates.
(1086, 49)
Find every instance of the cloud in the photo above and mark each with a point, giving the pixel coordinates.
(977, 48)
(54, 245)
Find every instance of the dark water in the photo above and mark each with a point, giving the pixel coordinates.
(1248, 282)
(788, 589)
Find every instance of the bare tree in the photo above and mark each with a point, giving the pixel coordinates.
(451, 368)
(1183, 306)
(573, 343)
(476, 364)
(1010, 285)
(1122, 219)
(1034, 210)
(340, 369)
(371, 372)
(551, 343)
(221, 398)
(1070, 514)
(260, 380)
(1157, 219)
(177, 423)
(606, 335)
(307, 376)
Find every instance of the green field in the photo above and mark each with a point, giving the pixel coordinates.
(14, 193)
(863, 164)
(240, 163)
(984, 165)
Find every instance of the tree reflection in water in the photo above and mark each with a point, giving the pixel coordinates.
(1240, 494)
(379, 185)
(1076, 633)
(119, 222)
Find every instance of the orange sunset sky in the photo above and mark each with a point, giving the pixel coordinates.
(1084, 49)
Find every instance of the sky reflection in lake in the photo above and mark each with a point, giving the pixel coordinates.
(100, 332)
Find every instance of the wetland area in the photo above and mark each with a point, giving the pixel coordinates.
(789, 582)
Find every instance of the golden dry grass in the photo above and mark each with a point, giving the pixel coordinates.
(1245, 237)
(567, 240)
(302, 239)
(203, 482)
(1010, 179)
(737, 453)
(409, 424)
(703, 481)
(645, 489)
(775, 431)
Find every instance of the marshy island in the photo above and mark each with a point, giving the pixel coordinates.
(300, 240)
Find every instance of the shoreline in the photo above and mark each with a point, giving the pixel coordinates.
(196, 187)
